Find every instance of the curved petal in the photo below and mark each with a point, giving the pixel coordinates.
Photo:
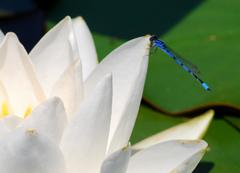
(128, 64)
(190, 130)
(126, 124)
(49, 119)
(26, 151)
(117, 162)
(84, 141)
(180, 156)
(69, 88)
(54, 53)
(86, 47)
(18, 76)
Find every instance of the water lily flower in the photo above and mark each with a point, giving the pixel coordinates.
(62, 112)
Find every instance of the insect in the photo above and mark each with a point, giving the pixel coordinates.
(185, 64)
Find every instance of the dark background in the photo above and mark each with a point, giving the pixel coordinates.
(121, 19)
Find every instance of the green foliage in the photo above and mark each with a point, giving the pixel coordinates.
(209, 37)
(222, 138)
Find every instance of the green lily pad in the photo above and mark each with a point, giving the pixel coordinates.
(209, 38)
(222, 138)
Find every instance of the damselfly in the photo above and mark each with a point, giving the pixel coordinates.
(185, 64)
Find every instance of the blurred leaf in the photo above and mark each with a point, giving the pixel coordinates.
(126, 19)
(223, 140)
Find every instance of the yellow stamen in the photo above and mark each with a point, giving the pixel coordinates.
(31, 132)
(27, 112)
(5, 110)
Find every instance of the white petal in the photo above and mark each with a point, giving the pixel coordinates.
(8, 124)
(11, 121)
(1, 36)
(180, 156)
(117, 162)
(86, 47)
(126, 124)
(54, 53)
(26, 151)
(84, 141)
(4, 101)
(4, 130)
(49, 119)
(18, 76)
(69, 88)
(192, 129)
(128, 65)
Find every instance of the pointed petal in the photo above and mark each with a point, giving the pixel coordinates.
(117, 162)
(126, 124)
(54, 53)
(18, 76)
(85, 139)
(180, 156)
(128, 65)
(49, 119)
(26, 151)
(69, 88)
(192, 129)
(86, 47)
(1, 36)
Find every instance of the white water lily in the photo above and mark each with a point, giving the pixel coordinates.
(62, 112)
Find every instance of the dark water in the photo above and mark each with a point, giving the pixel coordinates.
(122, 19)
(127, 18)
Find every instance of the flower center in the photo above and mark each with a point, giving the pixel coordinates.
(7, 111)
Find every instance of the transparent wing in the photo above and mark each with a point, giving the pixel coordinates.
(186, 62)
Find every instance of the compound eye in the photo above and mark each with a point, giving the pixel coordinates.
(153, 37)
